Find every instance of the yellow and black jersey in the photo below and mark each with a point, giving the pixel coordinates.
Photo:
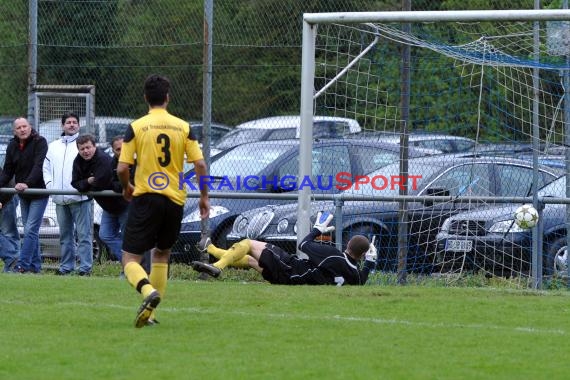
(159, 141)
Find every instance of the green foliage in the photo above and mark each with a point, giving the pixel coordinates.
(256, 60)
(486, 4)
(13, 58)
(554, 4)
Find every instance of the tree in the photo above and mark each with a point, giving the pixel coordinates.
(13, 57)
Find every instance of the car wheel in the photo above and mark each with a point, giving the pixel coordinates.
(100, 251)
(351, 231)
(556, 260)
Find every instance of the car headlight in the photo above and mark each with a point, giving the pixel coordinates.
(505, 226)
(282, 226)
(445, 226)
(240, 225)
(194, 216)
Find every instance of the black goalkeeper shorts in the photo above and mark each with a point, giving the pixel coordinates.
(279, 267)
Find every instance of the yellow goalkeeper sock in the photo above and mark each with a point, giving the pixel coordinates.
(137, 277)
(215, 251)
(158, 278)
(236, 252)
(242, 263)
(218, 253)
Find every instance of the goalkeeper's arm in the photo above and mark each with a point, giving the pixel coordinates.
(321, 227)
(370, 258)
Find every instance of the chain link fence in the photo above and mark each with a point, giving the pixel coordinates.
(256, 63)
(115, 44)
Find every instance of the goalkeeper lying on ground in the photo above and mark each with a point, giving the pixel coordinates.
(325, 265)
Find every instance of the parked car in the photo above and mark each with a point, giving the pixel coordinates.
(104, 129)
(445, 175)
(2, 154)
(443, 142)
(246, 168)
(6, 129)
(488, 239)
(549, 155)
(554, 161)
(285, 127)
(50, 248)
(514, 148)
(217, 131)
(48, 232)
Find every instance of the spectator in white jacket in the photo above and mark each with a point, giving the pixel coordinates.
(74, 212)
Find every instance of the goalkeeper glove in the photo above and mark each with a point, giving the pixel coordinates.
(371, 254)
(322, 223)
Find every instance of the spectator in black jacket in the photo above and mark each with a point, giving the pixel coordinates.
(95, 170)
(325, 265)
(25, 157)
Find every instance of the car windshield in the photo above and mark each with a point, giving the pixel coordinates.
(114, 129)
(243, 160)
(240, 136)
(384, 181)
(556, 188)
(7, 127)
(6, 131)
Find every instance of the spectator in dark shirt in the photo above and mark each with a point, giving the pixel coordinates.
(95, 170)
(25, 157)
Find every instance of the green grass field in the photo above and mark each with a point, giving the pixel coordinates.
(82, 328)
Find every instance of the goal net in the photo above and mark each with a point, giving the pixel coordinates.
(483, 94)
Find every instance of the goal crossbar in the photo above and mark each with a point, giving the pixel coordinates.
(439, 16)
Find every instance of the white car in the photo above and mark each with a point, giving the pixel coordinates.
(217, 131)
(49, 233)
(286, 127)
(104, 129)
(440, 142)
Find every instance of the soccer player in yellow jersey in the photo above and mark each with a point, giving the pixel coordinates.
(158, 141)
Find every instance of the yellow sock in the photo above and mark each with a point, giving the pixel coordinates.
(218, 253)
(158, 278)
(215, 251)
(242, 263)
(236, 252)
(136, 276)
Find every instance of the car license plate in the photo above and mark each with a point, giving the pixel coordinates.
(459, 245)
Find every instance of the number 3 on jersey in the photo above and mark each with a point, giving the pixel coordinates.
(164, 140)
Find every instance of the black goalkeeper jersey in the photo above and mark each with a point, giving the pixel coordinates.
(337, 268)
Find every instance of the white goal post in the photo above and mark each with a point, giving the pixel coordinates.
(309, 92)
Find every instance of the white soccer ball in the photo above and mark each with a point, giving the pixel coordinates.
(526, 216)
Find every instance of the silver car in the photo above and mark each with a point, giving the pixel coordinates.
(104, 128)
(49, 234)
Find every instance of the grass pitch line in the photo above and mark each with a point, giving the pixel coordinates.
(400, 322)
